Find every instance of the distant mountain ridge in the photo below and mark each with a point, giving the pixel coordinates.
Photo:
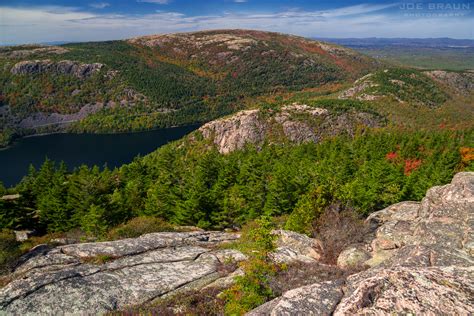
(404, 42)
(425, 53)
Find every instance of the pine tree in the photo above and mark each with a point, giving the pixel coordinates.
(94, 222)
(44, 177)
(52, 211)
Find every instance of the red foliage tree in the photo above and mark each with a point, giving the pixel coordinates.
(391, 156)
(411, 165)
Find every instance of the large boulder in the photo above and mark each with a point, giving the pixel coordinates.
(294, 247)
(414, 290)
(421, 257)
(442, 223)
(388, 291)
(316, 299)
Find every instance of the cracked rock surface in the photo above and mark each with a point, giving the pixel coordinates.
(65, 279)
(420, 257)
(60, 280)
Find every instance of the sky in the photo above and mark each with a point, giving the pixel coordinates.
(40, 21)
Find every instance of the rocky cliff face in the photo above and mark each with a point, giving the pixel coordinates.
(64, 67)
(297, 123)
(420, 257)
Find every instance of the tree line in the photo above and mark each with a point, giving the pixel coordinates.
(190, 183)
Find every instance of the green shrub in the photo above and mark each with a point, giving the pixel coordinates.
(253, 289)
(301, 218)
(307, 210)
(139, 226)
(93, 221)
(9, 250)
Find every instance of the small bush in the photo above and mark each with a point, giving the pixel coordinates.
(139, 226)
(337, 228)
(301, 217)
(9, 250)
(256, 238)
(253, 289)
(308, 208)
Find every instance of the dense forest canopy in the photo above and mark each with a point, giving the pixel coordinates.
(422, 133)
(190, 183)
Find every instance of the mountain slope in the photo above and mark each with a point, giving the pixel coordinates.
(258, 60)
(295, 123)
(161, 80)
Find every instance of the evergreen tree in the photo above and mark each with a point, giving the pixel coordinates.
(52, 211)
(94, 222)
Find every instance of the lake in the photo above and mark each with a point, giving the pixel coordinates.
(77, 149)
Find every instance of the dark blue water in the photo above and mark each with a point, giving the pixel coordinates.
(77, 149)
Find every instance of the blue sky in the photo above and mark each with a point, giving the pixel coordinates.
(28, 21)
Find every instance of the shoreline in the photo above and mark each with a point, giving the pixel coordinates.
(77, 149)
(19, 138)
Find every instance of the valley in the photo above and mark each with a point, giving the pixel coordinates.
(268, 172)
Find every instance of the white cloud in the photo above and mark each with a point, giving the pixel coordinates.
(99, 5)
(355, 9)
(155, 1)
(240, 1)
(45, 24)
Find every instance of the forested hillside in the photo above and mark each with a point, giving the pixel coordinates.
(159, 81)
(303, 126)
(179, 79)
